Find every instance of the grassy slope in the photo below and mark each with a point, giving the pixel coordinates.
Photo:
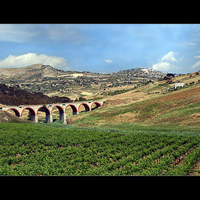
(179, 107)
(7, 117)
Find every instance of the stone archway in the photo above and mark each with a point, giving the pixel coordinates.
(61, 113)
(32, 115)
(86, 106)
(17, 113)
(48, 113)
(71, 109)
(95, 105)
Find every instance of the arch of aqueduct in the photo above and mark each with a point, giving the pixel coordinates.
(48, 109)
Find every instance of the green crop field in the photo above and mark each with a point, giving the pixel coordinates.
(29, 149)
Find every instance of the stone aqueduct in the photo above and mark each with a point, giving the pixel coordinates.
(48, 109)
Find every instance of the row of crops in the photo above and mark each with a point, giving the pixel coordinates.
(27, 149)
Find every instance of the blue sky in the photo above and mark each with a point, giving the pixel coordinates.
(102, 47)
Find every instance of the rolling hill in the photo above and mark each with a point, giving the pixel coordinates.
(32, 72)
(73, 84)
(156, 104)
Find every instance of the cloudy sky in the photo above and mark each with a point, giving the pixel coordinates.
(102, 47)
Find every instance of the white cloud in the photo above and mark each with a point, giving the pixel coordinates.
(108, 61)
(170, 56)
(167, 66)
(162, 66)
(187, 44)
(32, 58)
(196, 64)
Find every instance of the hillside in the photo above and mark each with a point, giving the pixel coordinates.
(14, 96)
(140, 72)
(149, 105)
(8, 117)
(32, 72)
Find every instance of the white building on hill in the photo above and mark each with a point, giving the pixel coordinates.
(178, 85)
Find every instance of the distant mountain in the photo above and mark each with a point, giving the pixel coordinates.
(32, 72)
(141, 72)
(72, 84)
(39, 71)
(36, 72)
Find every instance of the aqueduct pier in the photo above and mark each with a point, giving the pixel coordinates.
(48, 109)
